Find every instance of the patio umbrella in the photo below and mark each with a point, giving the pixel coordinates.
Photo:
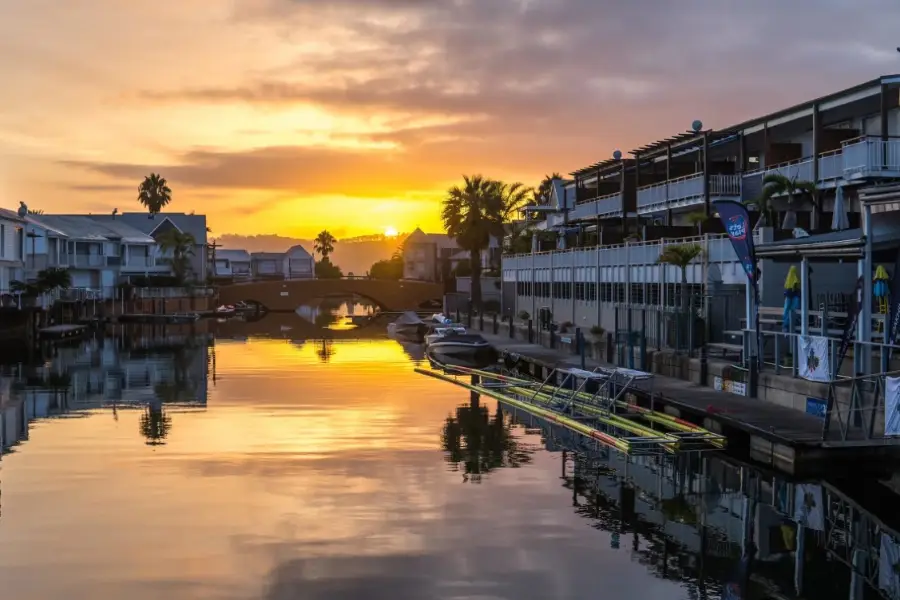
(791, 297)
(839, 219)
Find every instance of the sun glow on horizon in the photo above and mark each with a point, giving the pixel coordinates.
(390, 231)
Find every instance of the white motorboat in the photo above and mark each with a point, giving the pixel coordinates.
(408, 325)
(441, 319)
(468, 346)
(439, 332)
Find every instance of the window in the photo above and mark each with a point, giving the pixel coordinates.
(2, 239)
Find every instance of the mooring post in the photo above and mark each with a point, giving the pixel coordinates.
(469, 315)
(496, 329)
(458, 318)
(512, 327)
(530, 331)
(480, 320)
(552, 336)
(581, 348)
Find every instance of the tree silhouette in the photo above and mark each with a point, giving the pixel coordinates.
(155, 424)
(480, 442)
(154, 193)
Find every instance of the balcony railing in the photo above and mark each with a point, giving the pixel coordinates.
(801, 169)
(658, 195)
(724, 185)
(138, 262)
(831, 165)
(609, 205)
(87, 260)
(871, 156)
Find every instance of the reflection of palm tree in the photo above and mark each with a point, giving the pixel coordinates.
(325, 350)
(479, 441)
(155, 424)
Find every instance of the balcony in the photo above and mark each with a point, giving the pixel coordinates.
(602, 206)
(140, 264)
(831, 166)
(684, 191)
(724, 185)
(870, 156)
(801, 169)
(87, 260)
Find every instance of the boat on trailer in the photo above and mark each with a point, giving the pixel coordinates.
(563, 398)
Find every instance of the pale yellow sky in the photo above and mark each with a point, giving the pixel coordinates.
(288, 116)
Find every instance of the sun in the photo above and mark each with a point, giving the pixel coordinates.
(390, 231)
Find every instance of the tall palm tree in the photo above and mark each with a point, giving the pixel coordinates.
(324, 244)
(471, 215)
(775, 184)
(542, 193)
(154, 193)
(155, 424)
(181, 246)
(680, 255)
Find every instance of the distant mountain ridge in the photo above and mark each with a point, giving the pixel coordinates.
(353, 255)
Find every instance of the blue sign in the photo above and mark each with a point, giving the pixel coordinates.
(736, 221)
(816, 406)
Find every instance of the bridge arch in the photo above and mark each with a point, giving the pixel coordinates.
(287, 295)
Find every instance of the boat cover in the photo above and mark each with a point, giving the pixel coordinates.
(409, 318)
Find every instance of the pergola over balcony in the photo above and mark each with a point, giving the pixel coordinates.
(602, 190)
(686, 169)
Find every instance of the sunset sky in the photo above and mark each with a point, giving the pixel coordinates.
(288, 116)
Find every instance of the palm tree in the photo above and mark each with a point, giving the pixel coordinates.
(480, 442)
(472, 214)
(697, 219)
(154, 193)
(52, 278)
(680, 255)
(776, 184)
(542, 194)
(181, 246)
(155, 424)
(324, 244)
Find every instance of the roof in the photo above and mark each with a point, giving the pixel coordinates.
(11, 215)
(298, 251)
(233, 255)
(76, 227)
(837, 244)
(267, 255)
(192, 224)
(604, 165)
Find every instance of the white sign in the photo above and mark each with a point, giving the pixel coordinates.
(284, 293)
(727, 385)
(892, 406)
(813, 363)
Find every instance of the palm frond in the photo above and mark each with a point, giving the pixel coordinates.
(679, 255)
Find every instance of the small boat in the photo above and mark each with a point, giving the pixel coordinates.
(408, 325)
(437, 332)
(226, 310)
(183, 317)
(468, 347)
(441, 319)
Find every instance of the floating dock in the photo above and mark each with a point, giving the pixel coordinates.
(60, 332)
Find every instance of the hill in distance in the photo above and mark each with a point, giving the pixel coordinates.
(352, 255)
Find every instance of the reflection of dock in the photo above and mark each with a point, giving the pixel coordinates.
(694, 516)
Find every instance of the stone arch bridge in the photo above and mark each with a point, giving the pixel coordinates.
(288, 295)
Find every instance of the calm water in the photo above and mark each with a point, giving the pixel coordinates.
(216, 464)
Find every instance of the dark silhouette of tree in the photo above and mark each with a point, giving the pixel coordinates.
(155, 424)
(480, 442)
(154, 193)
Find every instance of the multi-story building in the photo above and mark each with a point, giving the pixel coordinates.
(12, 247)
(232, 263)
(98, 252)
(296, 263)
(842, 143)
(426, 255)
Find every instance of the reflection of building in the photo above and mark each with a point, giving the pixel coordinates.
(12, 247)
(104, 372)
(697, 518)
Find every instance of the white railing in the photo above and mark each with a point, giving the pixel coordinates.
(139, 262)
(870, 155)
(686, 187)
(801, 169)
(87, 260)
(725, 185)
(831, 165)
(651, 195)
(608, 205)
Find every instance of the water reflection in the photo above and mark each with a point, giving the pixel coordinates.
(298, 476)
(480, 442)
(726, 529)
(340, 313)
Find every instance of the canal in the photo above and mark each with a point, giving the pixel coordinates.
(244, 460)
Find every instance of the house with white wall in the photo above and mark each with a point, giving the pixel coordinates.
(11, 248)
(425, 253)
(296, 263)
(156, 225)
(232, 263)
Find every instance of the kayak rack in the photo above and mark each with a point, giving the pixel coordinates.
(567, 392)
